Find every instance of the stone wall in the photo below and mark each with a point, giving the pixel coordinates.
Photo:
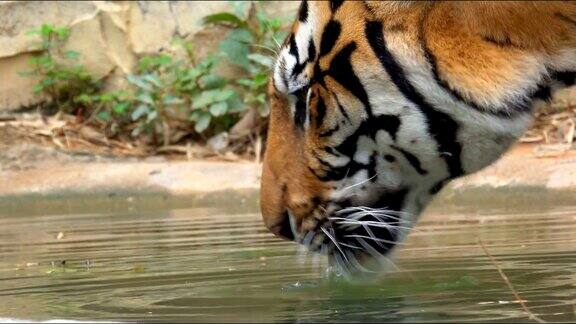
(110, 35)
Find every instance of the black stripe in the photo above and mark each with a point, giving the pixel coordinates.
(330, 131)
(506, 42)
(371, 168)
(341, 70)
(320, 112)
(440, 125)
(566, 77)
(317, 175)
(300, 109)
(335, 4)
(341, 109)
(389, 123)
(438, 186)
(303, 11)
(412, 159)
(520, 107)
(294, 48)
(323, 162)
(566, 18)
(348, 147)
(311, 51)
(543, 93)
(330, 35)
(298, 68)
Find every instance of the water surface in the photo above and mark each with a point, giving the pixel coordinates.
(153, 258)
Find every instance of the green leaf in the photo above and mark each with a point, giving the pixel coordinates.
(235, 104)
(151, 116)
(47, 82)
(223, 18)
(145, 98)
(106, 97)
(121, 107)
(275, 23)
(191, 75)
(245, 82)
(71, 55)
(261, 98)
(138, 82)
(202, 122)
(62, 32)
(219, 108)
(104, 116)
(208, 63)
(38, 88)
(236, 52)
(46, 30)
(211, 96)
(222, 95)
(212, 81)
(153, 79)
(172, 100)
(259, 80)
(83, 98)
(263, 60)
(242, 35)
(140, 111)
(137, 131)
(153, 62)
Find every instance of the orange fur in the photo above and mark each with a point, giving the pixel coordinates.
(480, 49)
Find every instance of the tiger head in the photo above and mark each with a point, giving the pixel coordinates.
(364, 130)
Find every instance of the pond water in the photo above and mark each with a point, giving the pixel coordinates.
(153, 258)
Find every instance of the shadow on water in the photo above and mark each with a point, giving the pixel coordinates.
(209, 259)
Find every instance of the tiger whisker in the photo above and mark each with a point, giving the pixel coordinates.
(379, 256)
(379, 217)
(275, 51)
(360, 183)
(360, 266)
(308, 238)
(373, 224)
(334, 241)
(350, 246)
(386, 211)
(372, 238)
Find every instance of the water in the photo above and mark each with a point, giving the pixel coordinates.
(153, 258)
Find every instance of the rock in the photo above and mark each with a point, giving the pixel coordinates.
(16, 90)
(110, 35)
(152, 26)
(93, 50)
(219, 142)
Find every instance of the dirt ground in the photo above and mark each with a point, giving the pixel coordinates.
(34, 159)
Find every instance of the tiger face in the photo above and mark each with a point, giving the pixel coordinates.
(366, 125)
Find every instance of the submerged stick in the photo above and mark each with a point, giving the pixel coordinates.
(509, 284)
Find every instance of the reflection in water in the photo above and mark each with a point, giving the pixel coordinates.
(151, 258)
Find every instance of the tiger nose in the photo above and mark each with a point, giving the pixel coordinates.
(285, 228)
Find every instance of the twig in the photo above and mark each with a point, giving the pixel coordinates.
(509, 284)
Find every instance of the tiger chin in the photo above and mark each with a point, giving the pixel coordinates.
(375, 106)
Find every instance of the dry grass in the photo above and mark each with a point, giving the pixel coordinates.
(553, 133)
(554, 128)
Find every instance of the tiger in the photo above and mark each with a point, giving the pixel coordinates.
(376, 106)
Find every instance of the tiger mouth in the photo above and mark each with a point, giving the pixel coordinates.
(352, 237)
